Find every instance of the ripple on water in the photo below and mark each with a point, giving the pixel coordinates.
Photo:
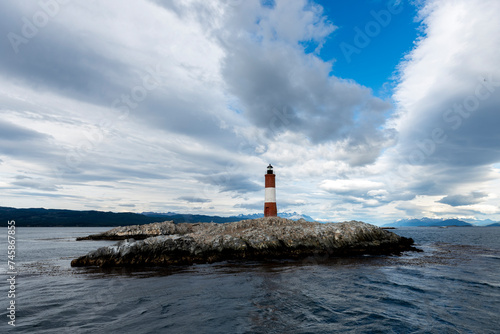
(448, 288)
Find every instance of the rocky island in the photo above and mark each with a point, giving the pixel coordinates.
(166, 243)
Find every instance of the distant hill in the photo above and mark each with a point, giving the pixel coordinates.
(495, 224)
(40, 217)
(428, 222)
(478, 222)
(54, 217)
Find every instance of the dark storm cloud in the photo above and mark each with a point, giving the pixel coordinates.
(461, 200)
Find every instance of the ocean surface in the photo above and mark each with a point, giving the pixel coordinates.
(451, 287)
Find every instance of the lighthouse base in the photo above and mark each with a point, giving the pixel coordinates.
(270, 209)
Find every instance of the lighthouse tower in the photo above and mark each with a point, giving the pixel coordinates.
(270, 209)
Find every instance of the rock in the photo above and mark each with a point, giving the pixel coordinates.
(140, 232)
(255, 239)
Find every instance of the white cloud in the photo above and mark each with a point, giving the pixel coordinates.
(350, 186)
(446, 105)
(450, 85)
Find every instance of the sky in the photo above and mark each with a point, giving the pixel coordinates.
(368, 110)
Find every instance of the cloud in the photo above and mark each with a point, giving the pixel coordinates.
(450, 86)
(189, 101)
(44, 196)
(279, 88)
(127, 205)
(254, 206)
(352, 187)
(35, 184)
(15, 133)
(231, 182)
(72, 65)
(73, 58)
(461, 200)
(411, 209)
(446, 115)
(24, 143)
(192, 199)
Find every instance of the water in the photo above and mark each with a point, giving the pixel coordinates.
(452, 287)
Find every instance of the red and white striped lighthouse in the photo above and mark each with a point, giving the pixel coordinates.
(270, 209)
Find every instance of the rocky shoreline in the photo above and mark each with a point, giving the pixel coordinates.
(163, 244)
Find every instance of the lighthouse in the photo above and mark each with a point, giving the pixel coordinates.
(270, 209)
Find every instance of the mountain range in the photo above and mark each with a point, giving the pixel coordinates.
(56, 217)
(442, 222)
(485, 222)
(41, 217)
